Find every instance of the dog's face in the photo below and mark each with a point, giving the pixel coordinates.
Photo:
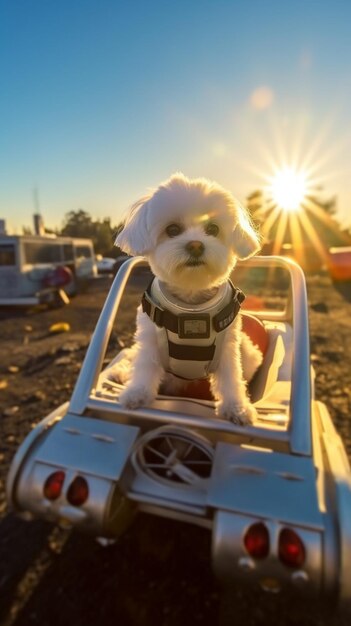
(191, 231)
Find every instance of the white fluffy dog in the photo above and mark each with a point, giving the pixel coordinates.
(192, 232)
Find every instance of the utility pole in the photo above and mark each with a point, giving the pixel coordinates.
(37, 218)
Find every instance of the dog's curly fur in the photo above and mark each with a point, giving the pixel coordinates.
(161, 226)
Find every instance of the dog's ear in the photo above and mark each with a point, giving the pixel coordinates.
(245, 240)
(134, 238)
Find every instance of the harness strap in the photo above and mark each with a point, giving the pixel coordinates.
(228, 314)
(198, 353)
(166, 319)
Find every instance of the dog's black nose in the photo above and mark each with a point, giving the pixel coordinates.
(195, 248)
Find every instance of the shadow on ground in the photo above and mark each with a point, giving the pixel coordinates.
(159, 573)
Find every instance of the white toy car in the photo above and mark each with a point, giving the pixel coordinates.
(276, 495)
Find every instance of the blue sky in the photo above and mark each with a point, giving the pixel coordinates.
(103, 99)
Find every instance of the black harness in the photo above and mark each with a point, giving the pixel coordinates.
(192, 325)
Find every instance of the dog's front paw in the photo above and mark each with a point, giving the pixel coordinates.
(118, 374)
(237, 413)
(134, 397)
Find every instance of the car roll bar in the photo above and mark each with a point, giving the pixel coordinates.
(296, 312)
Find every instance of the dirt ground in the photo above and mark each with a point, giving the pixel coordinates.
(159, 573)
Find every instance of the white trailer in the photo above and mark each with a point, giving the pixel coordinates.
(29, 265)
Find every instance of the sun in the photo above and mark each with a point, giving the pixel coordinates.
(290, 207)
(288, 188)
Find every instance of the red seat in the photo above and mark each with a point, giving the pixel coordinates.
(255, 329)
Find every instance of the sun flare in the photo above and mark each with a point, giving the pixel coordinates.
(291, 209)
(288, 189)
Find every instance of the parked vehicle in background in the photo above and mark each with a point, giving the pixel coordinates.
(339, 268)
(339, 263)
(105, 265)
(31, 267)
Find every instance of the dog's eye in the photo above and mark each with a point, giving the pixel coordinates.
(173, 230)
(212, 229)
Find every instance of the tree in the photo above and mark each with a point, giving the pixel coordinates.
(80, 224)
(77, 224)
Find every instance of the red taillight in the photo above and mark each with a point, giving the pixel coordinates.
(53, 485)
(256, 541)
(78, 491)
(58, 277)
(291, 549)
